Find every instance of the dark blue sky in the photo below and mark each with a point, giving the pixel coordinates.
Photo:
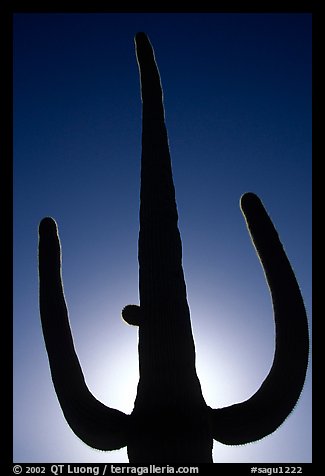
(237, 93)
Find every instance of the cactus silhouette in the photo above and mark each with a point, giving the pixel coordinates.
(171, 422)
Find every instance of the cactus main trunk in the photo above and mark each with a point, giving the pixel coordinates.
(165, 334)
(169, 392)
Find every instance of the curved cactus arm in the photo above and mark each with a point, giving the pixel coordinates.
(264, 412)
(97, 425)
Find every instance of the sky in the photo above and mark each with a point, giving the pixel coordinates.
(237, 95)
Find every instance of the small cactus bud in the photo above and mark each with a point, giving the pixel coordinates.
(131, 314)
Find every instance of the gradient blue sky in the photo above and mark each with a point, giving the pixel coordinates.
(237, 90)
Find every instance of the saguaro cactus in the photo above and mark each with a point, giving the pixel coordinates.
(171, 422)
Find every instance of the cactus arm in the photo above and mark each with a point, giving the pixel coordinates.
(97, 425)
(265, 411)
